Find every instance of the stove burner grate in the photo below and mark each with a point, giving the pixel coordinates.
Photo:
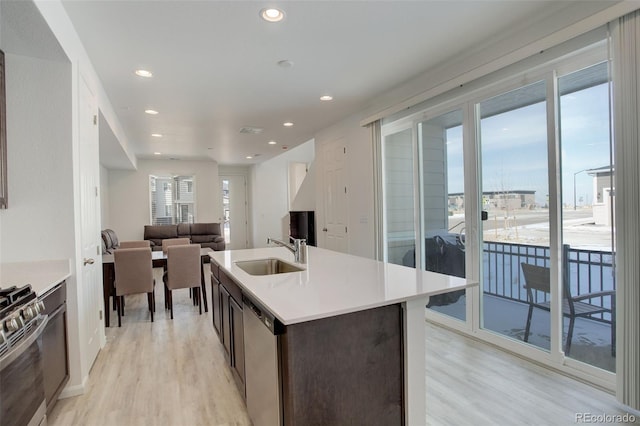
(13, 297)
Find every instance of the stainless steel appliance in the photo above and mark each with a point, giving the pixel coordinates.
(302, 225)
(262, 372)
(22, 400)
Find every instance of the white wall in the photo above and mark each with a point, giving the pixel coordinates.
(297, 175)
(269, 193)
(359, 180)
(128, 201)
(40, 174)
(305, 197)
(105, 220)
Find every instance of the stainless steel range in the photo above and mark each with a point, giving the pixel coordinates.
(22, 322)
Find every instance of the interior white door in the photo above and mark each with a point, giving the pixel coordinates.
(90, 287)
(235, 211)
(335, 196)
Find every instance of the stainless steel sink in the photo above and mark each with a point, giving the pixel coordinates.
(268, 266)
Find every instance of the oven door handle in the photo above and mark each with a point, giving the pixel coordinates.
(15, 352)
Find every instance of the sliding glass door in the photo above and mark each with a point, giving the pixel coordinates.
(442, 225)
(514, 176)
(532, 156)
(588, 203)
(398, 195)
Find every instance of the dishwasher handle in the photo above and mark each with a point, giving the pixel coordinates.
(265, 317)
(257, 312)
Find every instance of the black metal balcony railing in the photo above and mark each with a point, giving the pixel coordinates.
(587, 271)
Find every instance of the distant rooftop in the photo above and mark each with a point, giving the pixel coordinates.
(506, 191)
(599, 170)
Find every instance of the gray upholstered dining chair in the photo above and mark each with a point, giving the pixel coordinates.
(173, 242)
(166, 243)
(183, 271)
(134, 275)
(135, 244)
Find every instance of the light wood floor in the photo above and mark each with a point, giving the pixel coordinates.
(173, 373)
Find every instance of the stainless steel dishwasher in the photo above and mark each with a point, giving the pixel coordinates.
(262, 366)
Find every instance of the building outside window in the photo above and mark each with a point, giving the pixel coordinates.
(176, 203)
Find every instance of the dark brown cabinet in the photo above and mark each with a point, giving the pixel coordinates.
(226, 321)
(215, 304)
(237, 339)
(340, 370)
(55, 353)
(344, 370)
(226, 303)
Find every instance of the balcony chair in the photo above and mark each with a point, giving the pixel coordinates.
(183, 271)
(538, 278)
(134, 275)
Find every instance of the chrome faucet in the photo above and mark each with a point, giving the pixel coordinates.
(298, 248)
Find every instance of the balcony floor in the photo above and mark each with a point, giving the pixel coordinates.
(591, 341)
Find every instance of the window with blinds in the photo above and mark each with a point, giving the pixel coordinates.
(172, 199)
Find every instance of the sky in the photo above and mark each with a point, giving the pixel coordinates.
(514, 147)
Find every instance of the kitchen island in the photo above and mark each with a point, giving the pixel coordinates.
(349, 335)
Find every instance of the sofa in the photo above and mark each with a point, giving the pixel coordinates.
(205, 234)
(109, 241)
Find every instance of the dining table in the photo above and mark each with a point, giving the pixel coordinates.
(158, 259)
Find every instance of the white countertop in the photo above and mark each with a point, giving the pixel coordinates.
(332, 283)
(42, 275)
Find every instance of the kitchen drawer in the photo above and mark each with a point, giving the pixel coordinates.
(232, 287)
(215, 270)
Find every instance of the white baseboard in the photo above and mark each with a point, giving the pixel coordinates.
(70, 391)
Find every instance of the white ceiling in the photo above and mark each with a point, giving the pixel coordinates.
(215, 65)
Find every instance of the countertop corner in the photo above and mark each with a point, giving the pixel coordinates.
(42, 275)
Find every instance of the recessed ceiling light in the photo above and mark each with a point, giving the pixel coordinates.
(157, 153)
(272, 142)
(151, 111)
(326, 98)
(272, 15)
(248, 157)
(144, 73)
(287, 124)
(156, 135)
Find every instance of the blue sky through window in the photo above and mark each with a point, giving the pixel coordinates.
(514, 147)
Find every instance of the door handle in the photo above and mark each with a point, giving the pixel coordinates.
(324, 229)
(88, 261)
